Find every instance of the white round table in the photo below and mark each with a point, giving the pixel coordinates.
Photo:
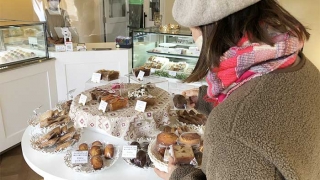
(52, 167)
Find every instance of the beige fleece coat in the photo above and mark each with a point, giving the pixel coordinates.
(267, 129)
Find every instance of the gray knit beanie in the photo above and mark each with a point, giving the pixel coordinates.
(192, 13)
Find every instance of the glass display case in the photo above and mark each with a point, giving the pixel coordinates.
(22, 41)
(170, 54)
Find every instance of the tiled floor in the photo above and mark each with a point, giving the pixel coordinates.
(14, 167)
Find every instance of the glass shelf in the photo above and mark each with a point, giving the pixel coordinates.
(173, 55)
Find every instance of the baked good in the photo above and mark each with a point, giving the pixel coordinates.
(83, 147)
(97, 93)
(97, 143)
(108, 75)
(146, 71)
(119, 103)
(182, 154)
(179, 101)
(66, 137)
(95, 150)
(109, 151)
(166, 139)
(46, 115)
(201, 146)
(76, 137)
(166, 129)
(49, 143)
(96, 162)
(64, 145)
(140, 159)
(189, 139)
(135, 144)
(191, 118)
(64, 129)
(198, 156)
(150, 100)
(53, 133)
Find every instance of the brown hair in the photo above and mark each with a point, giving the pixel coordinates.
(218, 37)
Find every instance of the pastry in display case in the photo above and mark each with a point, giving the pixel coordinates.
(169, 54)
(22, 41)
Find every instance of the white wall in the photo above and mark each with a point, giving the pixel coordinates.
(308, 13)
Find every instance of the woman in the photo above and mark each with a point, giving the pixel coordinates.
(265, 92)
(56, 17)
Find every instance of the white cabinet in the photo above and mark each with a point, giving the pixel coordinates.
(21, 91)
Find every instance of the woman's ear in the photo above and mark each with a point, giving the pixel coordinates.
(196, 32)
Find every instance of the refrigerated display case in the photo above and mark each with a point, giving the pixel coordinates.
(21, 42)
(170, 54)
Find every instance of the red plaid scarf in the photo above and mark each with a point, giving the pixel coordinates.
(248, 60)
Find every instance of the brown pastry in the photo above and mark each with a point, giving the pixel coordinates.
(140, 159)
(109, 151)
(49, 143)
(53, 133)
(76, 137)
(64, 145)
(166, 129)
(109, 75)
(201, 146)
(198, 156)
(96, 162)
(190, 139)
(179, 101)
(95, 150)
(66, 137)
(135, 144)
(149, 100)
(146, 71)
(97, 143)
(71, 129)
(46, 115)
(83, 147)
(97, 93)
(119, 104)
(182, 154)
(64, 129)
(166, 139)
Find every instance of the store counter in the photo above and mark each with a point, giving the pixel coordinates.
(73, 69)
(52, 166)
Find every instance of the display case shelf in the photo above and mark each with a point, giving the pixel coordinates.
(181, 56)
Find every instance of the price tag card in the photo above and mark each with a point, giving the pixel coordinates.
(103, 106)
(96, 77)
(165, 50)
(141, 106)
(173, 73)
(33, 40)
(83, 99)
(79, 157)
(141, 75)
(60, 48)
(69, 46)
(129, 151)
